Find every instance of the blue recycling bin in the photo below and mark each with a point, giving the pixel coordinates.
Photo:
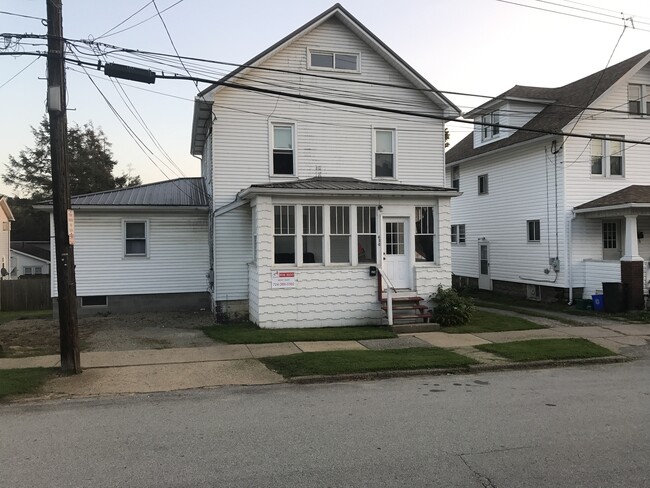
(598, 302)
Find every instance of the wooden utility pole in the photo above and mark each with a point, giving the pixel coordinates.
(56, 107)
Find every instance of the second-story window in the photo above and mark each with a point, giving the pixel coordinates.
(455, 178)
(283, 149)
(607, 156)
(384, 153)
(638, 99)
(483, 184)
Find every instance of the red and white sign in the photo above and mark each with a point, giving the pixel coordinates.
(283, 279)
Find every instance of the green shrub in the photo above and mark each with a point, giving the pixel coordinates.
(451, 309)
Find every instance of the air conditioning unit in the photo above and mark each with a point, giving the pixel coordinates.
(534, 292)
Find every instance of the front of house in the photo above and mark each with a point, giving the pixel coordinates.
(554, 188)
(309, 198)
(318, 189)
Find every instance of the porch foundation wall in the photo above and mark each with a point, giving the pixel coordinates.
(632, 276)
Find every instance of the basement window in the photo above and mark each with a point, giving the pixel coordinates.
(94, 301)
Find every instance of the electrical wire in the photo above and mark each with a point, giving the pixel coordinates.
(18, 74)
(125, 20)
(142, 22)
(14, 14)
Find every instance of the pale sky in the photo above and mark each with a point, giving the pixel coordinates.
(469, 46)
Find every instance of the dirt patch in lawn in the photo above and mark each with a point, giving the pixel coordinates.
(33, 337)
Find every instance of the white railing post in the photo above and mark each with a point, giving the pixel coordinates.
(389, 304)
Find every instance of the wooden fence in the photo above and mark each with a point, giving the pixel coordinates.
(31, 294)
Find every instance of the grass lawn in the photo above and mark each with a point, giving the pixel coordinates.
(22, 381)
(541, 349)
(342, 362)
(492, 322)
(250, 334)
(25, 314)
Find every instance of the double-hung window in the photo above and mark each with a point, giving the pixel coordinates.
(284, 160)
(490, 126)
(312, 234)
(135, 238)
(339, 234)
(284, 234)
(534, 230)
(607, 156)
(483, 184)
(458, 234)
(385, 153)
(367, 234)
(455, 178)
(638, 99)
(424, 234)
(334, 61)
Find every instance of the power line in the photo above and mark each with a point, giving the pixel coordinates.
(590, 11)
(125, 20)
(143, 21)
(17, 74)
(14, 14)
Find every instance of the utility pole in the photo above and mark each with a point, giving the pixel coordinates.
(56, 107)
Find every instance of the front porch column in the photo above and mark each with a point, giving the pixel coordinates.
(632, 266)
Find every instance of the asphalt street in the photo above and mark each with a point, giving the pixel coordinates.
(573, 427)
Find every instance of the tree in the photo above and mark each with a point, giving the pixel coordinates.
(90, 161)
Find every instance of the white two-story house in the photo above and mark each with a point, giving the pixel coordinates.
(555, 188)
(6, 218)
(322, 163)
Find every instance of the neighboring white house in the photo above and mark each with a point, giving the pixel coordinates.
(551, 216)
(6, 218)
(143, 248)
(29, 260)
(309, 197)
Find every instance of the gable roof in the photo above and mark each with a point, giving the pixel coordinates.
(31, 250)
(202, 107)
(182, 192)
(344, 186)
(4, 205)
(566, 102)
(631, 195)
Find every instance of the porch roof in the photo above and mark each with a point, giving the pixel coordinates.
(632, 197)
(345, 186)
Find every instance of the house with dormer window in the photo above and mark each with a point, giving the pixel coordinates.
(315, 197)
(556, 189)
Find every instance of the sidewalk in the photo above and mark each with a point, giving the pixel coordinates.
(143, 371)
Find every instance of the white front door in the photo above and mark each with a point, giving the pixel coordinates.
(484, 281)
(395, 252)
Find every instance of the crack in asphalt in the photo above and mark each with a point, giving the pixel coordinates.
(484, 480)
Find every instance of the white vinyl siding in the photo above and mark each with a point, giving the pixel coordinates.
(177, 261)
(232, 253)
(330, 140)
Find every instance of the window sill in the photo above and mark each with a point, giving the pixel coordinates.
(293, 176)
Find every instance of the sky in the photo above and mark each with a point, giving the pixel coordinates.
(467, 46)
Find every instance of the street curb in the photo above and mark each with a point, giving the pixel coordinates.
(475, 368)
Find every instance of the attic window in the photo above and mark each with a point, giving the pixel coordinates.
(333, 61)
(489, 126)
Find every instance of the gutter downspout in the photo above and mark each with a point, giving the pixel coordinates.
(569, 258)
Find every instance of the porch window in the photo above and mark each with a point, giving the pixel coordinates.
(385, 153)
(607, 156)
(367, 234)
(424, 234)
(283, 149)
(458, 234)
(135, 238)
(312, 234)
(284, 235)
(534, 231)
(339, 234)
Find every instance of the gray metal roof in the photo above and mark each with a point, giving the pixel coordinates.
(182, 192)
(349, 184)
